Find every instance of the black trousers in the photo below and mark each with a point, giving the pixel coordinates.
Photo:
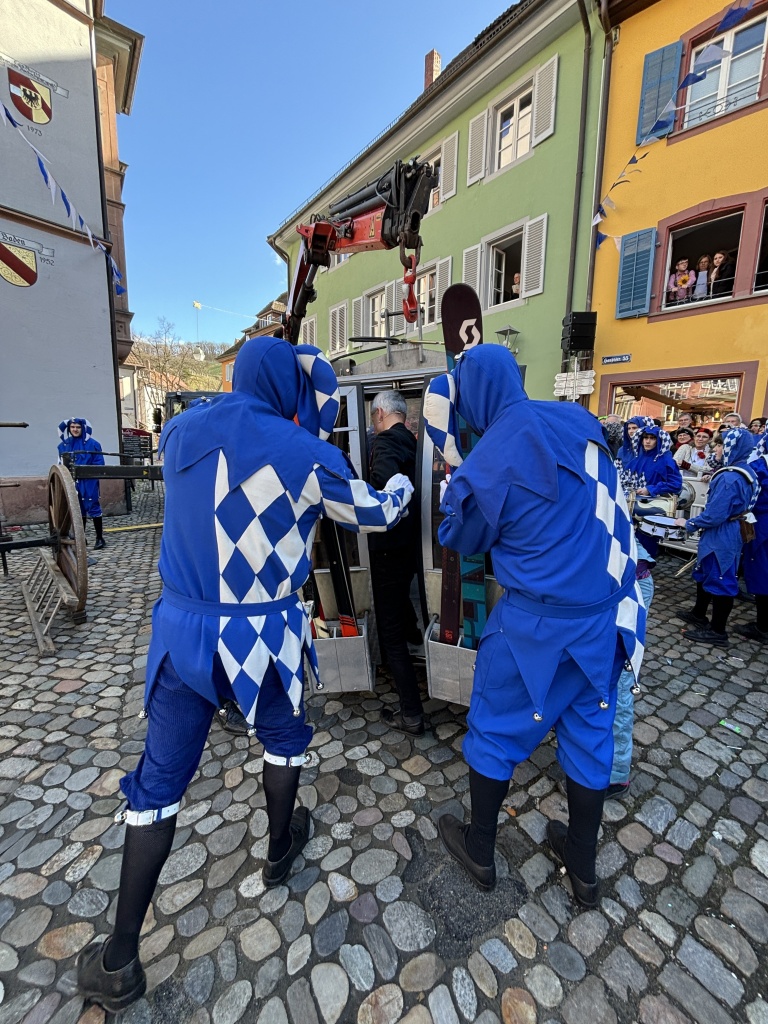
(391, 575)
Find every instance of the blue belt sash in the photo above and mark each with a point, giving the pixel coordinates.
(565, 611)
(221, 609)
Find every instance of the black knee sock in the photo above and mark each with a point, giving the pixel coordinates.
(146, 850)
(281, 784)
(585, 810)
(761, 606)
(487, 797)
(721, 609)
(702, 601)
(99, 527)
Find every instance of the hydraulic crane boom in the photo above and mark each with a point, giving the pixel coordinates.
(382, 215)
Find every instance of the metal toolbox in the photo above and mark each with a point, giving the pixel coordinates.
(344, 661)
(450, 669)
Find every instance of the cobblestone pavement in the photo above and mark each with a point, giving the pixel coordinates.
(376, 924)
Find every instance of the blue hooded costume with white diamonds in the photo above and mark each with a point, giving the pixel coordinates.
(245, 486)
(541, 493)
(83, 451)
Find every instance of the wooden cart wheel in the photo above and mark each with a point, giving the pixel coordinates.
(66, 524)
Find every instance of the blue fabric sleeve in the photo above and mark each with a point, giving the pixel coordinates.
(96, 459)
(671, 481)
(470, 534)
(725, 500)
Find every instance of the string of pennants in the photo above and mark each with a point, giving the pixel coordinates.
(54, 187)
(710, 57)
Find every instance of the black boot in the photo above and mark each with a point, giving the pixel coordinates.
(110, 973)
(288, 829)
(575, 846)
(473, 845)
(454, 837)
(85, 530)
(99, 527)
(275, 872)
(114, 990)
(413, 725)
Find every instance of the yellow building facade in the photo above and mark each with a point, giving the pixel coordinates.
(686, 151)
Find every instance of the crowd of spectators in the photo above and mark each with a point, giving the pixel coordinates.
(712, 278)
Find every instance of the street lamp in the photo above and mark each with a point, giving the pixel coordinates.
(507, 337)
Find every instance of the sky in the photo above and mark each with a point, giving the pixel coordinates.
(243, 108)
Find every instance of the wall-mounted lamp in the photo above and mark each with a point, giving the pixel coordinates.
(716, 417)
(508, 338)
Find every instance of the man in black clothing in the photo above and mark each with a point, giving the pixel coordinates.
(394, 560)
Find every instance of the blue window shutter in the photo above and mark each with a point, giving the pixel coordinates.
(661, 77)
(633, 296)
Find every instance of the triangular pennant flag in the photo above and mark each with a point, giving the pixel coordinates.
(64, 200)
(632, 160)
(609, 203)
(617, 242)
(9, 117)
(711, 55)
(3, 112)
(75, 215)
(53, 186)
(617, 183)
(599, 239)
(596, 220)
(662, 123)
(100, 247)
(643, 156)
(733, 16)
(690, 79)
(43, 170)
(115, 269)
(119, 290)
(601, 209)
(87, 231)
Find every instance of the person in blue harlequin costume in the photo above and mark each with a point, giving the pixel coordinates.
(629, 447)
(733, 492)
(755, 559)
(244, 488)
(78, 446)
(556, 524)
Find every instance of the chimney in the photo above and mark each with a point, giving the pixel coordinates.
(432, 64)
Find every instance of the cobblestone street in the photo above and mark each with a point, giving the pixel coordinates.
(376, 924)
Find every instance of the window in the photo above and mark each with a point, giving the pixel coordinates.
(509, 264)
(734, 81)
(308, 331)
(228, 371)
(337, 258)
(374, 324)
(513, 124)
(426, 296)
(513, 129)
(761, 274)
(337, 329)
(434, 199)
(695, 252)
(706, 403)
(506, 263)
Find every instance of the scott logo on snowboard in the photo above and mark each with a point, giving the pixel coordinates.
(464, 333)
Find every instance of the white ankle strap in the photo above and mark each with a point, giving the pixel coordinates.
(288, 762)
(126, 817)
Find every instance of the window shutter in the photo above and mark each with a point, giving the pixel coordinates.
(448, 167)
(338, 329)
(309, 332)
(633, 295)
(534, 253)
(544, 101)
(443, 281)
(470, 268)
(394, 302)
(476, 158)
(661, 76)
(357, 317)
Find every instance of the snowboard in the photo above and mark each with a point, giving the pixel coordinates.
(463, 579)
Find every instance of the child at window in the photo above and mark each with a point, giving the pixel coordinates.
(703, 270)
(681, 283)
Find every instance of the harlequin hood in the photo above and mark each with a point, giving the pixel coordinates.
(738, 445)
(488, 383)
(64, 433)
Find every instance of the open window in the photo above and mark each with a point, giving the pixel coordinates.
(761, 274)
(734, 81)
(702, 261)
(506, 259)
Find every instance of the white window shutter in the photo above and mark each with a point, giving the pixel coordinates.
(443, 282)
(332, 330)
(534, 254)
(449, 166)
(478, 127)
(357, 317)
(338, 329)
(393, 297)
(309, 331)
(544, 101)
(470, 270)
(343, 328)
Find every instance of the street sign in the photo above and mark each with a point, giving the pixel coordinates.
(626, 358)
(572, 385)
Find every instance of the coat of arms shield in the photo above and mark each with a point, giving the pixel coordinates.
(31, 98)
(18, 265)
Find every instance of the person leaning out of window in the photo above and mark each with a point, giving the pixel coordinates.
(681, 283)
(722, 274)
(703, 270)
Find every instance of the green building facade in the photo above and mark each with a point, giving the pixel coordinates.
(504, 120)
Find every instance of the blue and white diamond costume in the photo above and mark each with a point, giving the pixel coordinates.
(245, 486)
(541, 493)
(83, 451)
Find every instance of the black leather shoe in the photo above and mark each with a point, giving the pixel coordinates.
(414, 726)
(231, 719)
(275, 872)
(454, 837)
(706, 636)
(701, 621)
(114, 990)
(100, 543)
(584, 893)
(751, 632)
(617, 790)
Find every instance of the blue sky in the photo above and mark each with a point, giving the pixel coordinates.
(242, 109)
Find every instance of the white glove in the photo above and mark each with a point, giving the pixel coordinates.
(443, 488)
(400, 482)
